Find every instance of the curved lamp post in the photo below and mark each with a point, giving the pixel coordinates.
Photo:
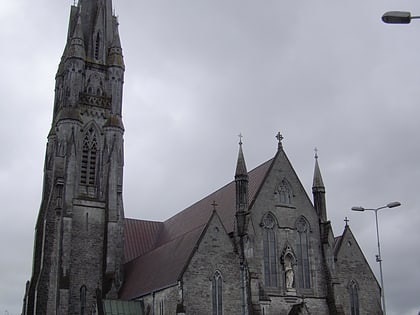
(398, 17)
(378, 256)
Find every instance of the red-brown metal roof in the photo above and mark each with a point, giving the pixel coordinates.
(160, 267)
(140, 237)
(163, 249)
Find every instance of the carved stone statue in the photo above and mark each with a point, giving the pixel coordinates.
(289, 273)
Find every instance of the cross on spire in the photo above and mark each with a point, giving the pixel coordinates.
(280, 137)
(316, 152)
(240, 138)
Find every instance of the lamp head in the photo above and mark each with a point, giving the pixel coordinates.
(397, 17)
(393, 204)
(358, 209)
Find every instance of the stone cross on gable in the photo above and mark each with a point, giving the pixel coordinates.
(280, 137)
(214, 204)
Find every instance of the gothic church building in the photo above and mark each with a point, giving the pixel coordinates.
(258, 245)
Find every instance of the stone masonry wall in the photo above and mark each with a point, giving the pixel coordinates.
(351, 265)
(214, 253)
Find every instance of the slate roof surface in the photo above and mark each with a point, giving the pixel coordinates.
(157, 252)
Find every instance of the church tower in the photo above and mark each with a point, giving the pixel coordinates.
(78, 246)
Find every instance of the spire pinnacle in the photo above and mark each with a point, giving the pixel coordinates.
(318, 191)
(240, 165)
(317, 182)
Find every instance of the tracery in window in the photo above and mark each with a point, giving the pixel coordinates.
(217, 292)
(284, 192)
(270, 256)
(304, 277)
(89, 158)
(354, 297)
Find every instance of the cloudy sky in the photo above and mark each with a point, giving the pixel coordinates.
(328, 74)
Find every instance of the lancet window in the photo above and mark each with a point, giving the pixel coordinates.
(304, 277)
(354, 298)
(217, 292)
(89, 158)
(97, 45)
(270, 256)
(83, 300)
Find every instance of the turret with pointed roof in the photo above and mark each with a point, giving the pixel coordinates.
(241, 184)
(318, 191)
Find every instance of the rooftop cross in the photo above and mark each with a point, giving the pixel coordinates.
(316, 152)
(214, 204)
(240, 138)
(346, 220)
(279, 137)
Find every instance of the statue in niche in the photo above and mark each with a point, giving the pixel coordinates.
(289, 273)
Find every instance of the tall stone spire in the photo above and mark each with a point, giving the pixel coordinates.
(318, 191)
(241, 182)
(79, 232)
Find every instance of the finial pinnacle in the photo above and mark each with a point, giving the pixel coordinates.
(280, 137)
(316, 152)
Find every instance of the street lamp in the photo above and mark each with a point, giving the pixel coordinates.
(378, 256)
(398, 17)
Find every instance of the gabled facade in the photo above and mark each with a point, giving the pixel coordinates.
(272, 247)
(356, 288)
(258, 245)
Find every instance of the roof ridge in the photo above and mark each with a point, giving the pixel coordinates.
(250, 173)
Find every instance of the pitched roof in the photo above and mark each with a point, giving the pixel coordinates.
(159, 268)
(161, 265)
(140, 237)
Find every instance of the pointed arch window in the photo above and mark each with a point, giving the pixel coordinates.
(217, 292)
(89, 158)
(269, 246)
(304, 277)
(83, 300)
(354, 297)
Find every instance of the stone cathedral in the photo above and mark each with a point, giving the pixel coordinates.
(258, 245)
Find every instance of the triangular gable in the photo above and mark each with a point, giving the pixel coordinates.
(339, 245)
(214, 216)
(282, 159)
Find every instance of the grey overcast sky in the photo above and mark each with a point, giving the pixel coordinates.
(328, 74)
